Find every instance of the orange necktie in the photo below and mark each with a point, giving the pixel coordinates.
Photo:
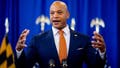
(62, 47)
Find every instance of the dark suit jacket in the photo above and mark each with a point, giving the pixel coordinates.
(42, 48)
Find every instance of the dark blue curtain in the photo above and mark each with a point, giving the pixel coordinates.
(23, 14)
(10, 9)
(118, 27)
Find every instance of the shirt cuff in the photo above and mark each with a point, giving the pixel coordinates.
(19, 53)
(102, 54)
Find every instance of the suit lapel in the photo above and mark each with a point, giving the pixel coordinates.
(52, 46)
(72, 43)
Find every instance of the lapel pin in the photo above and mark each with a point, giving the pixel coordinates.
(75, 35)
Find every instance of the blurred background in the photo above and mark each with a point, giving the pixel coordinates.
(34, 15)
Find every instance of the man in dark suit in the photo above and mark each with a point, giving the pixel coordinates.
(46, 46)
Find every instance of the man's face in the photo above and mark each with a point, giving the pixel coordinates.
(58, 15)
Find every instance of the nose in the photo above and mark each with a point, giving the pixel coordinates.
(56, 15)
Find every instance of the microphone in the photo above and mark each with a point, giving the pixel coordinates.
(64, 63)
(51, 63)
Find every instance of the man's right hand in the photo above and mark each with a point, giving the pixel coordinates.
(21, 41)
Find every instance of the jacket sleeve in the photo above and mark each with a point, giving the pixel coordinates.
(92, 57)
(28, 57)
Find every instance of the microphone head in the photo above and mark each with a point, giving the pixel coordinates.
(64, 63)
(51, 63)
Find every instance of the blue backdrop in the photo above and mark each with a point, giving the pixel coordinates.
(23, 14)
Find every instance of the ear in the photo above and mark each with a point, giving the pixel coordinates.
(68, 14)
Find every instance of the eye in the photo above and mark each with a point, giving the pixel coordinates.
(51, 12)
(59, 12)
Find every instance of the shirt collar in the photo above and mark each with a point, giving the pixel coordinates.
(65, 29)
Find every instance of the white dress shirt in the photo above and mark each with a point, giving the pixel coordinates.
(56, 35)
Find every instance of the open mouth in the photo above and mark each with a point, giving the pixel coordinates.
(56, 20)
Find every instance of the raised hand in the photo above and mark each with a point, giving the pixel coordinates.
(98, 42)
(21, 41)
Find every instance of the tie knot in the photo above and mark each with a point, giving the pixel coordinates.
(61, 31)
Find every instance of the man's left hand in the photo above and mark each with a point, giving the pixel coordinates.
(98, 42)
